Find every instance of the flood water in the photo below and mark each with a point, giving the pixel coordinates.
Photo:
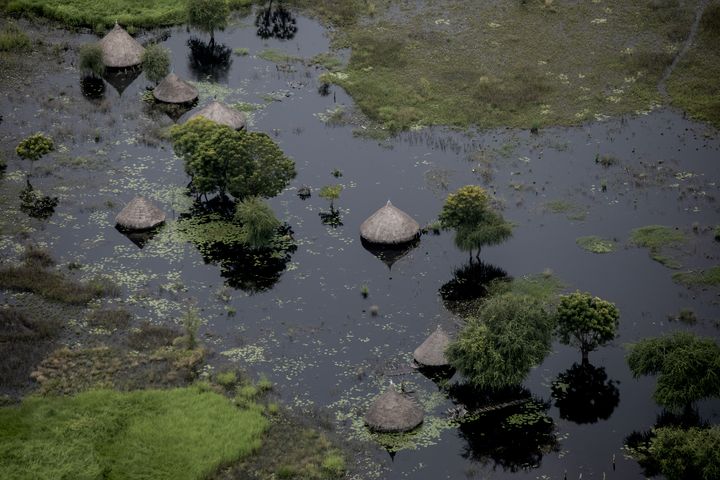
(312, 332)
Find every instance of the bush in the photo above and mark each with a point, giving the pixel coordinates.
(35, 146)
(692, 453)
(259, 224)
(512, 334)
(156, 62)
(334, 465)
(91, 60)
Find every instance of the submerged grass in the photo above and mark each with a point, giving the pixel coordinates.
(656, 238)
(596, 244)
(183, 434)
(702, 278)
(693, 85)
(434, 64)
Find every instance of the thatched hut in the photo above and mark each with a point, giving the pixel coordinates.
(389, 226)
(120, 50)
(393, 412)
(431, 353)
(222, 114)
(172, 89)
(139, 214)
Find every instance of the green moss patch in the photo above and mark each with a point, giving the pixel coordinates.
(701, 278)
(657, 238)
(596, 244)
(182, 434)
(89, 13)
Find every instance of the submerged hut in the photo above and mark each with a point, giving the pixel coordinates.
(222, 114)
(431, 353)
(120, 50)
(389, 226)
(172, 89)
(393, 412)
(139, 214)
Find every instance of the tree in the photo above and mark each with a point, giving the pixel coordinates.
(91, 61)
(688, 368)
(35, 146)
(586, 322)
(259, 224)
(222, 160)
(156, 62)
(476, 224)
(331, 193)
(208, 15)
(512, 334)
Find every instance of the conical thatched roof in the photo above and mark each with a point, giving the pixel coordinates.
(222, 114)
(174, 90)
(431, 353)
(120, 50)
(393, 412)
(389, 225)
(139, 214)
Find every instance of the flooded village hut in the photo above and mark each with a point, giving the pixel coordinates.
(431, 353)
(222, 114)
(172, 89)
(120, 50)
(393, 412)
(139, 214)
(389, 226)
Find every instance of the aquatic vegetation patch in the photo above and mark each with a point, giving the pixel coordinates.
(277, 56)
(701, 278)
(422, 67)
(693, 85)
(569, 209)
(596, 244)
(88, 13)
(184, 434)
(656, 238)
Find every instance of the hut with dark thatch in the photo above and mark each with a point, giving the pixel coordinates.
(431, 353)
(393, 412)
(120, 50)
(222, 114)
(172, 89)
(139, 214)
(389, 226)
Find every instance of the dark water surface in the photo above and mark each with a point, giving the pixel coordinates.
(312, 332)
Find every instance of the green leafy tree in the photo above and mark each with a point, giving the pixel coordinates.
(680, 454)
(222, 160)
(156, 62)
(476, 224)
(208, 15)
(688, 368)
(512, 334)
(91, 61)
(586, 322)
(35, 146)
(259, 224)
(331, 193)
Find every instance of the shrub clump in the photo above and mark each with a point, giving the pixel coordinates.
(12, 39)
(156, 62)
(35, 146)
(91, 60)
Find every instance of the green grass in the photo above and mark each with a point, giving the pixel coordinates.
(277, 56)
(702, 278)
(178, 434)
(517, 64)
(90, 13)
(12, 39)
(656, 238)
(596, 244)
(693, 85)
(569, 209)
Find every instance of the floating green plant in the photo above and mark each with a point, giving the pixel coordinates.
(596, 244)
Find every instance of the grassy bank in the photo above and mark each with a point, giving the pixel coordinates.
(510, 63)
(693, 85)
(89, 13)
(161, 434)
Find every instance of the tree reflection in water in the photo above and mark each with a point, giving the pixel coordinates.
(209, 59)
(469, 283)
(275, 21)
(583, 394)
